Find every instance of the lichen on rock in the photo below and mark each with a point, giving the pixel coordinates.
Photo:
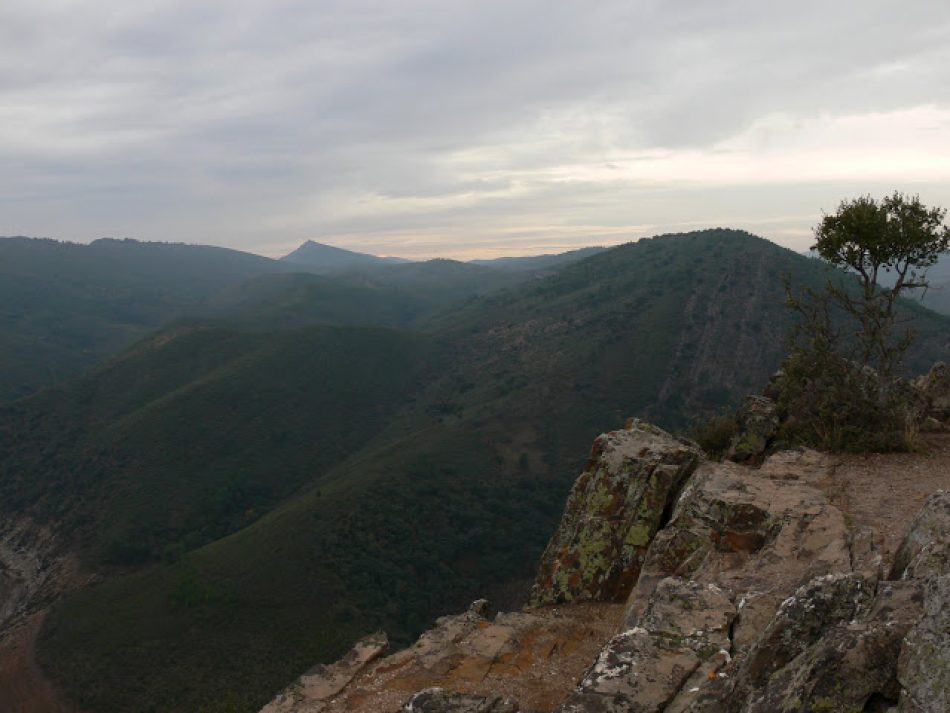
(612, 514)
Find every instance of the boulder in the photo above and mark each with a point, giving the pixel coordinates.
(757, 422)
(924, 663)
(752, 535)
(832, 646)
(924, 557)
(438, 700)
(614, 509)
(685, 627)
(935, 390)
(925, 550)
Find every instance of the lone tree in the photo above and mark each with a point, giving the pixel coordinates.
(897, 238)
(840, 392)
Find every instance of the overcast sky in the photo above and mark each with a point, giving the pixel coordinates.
(463, 129)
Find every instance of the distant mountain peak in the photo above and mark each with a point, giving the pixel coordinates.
(329, 258)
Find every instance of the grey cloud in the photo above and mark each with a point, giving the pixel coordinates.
(240, 122)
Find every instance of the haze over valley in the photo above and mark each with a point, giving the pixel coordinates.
(379, 275)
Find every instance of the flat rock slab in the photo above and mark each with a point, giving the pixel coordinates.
(313, 691)
(534, 657)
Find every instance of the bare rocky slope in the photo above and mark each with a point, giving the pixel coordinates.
(676, 584)
(35, 569)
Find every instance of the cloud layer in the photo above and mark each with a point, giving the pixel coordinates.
(433, 127)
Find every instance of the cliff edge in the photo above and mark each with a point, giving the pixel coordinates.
(675, 584)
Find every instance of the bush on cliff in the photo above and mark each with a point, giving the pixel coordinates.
(840, 390)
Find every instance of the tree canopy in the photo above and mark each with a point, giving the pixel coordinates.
(840, 390)
(898, 234)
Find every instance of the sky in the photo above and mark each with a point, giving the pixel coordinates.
(427, 128)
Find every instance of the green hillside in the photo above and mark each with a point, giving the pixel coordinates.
(410, 474)
(195, 432)
(65, 306)
(391, 295)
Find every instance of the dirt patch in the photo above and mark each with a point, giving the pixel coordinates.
(35, 570)
(23, 687)
(885, 490)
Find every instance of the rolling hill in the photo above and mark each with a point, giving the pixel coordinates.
(65, 306)
(253, 500)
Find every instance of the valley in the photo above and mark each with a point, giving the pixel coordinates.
(301, 459)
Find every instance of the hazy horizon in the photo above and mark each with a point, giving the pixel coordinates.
(465, 130)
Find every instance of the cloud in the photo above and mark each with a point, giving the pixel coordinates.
(260, 123)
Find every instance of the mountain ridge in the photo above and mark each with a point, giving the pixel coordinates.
(453, 495)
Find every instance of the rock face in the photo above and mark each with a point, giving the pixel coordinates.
(925, 551)
(832, 646)
(739, 543)
(854, 642)
(612, 514)
(685, 627)
(924, 665)
(754, 536)
(746, 592)
(924, 557)
(757, 422)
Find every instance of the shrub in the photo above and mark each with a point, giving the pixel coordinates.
(715, 433)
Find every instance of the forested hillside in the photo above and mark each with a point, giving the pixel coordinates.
(254, 498)
(65, 306)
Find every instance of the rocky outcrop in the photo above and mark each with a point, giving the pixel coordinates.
(754, 536)
(757, 423)
(740, 542)
(924, 556)
(685, 627)
(533, 657)
(746, 592)
(853, 642)
(614, 509)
